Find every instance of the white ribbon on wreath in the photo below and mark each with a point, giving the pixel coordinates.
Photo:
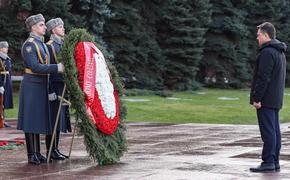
(104, 86)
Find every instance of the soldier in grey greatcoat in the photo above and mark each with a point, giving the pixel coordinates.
(56, 27)
(6, 82)
(33, 115)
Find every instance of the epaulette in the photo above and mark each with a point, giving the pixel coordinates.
(30, 39)
(49, 42)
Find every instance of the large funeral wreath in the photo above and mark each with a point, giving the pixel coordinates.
(101, 113)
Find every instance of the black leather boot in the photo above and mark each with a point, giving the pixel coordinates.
(56, 146)
(54, 154)
(6, 125)
(41, 158)
(32, 156)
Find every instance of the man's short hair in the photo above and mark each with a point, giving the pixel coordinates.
(268, 28)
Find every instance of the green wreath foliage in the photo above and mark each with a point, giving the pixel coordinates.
(102, 148)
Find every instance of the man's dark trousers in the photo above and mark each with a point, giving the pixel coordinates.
(268, 119)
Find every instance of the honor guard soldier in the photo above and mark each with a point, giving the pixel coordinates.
(56, 27)
(6, 99)
(33, 115)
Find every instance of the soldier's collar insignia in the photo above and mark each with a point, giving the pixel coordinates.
(31, 39)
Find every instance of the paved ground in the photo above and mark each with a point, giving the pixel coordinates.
(158, 151)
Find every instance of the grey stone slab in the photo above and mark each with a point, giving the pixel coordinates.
(157, 151)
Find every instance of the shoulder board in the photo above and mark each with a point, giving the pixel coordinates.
(49, 42)
(30, 39)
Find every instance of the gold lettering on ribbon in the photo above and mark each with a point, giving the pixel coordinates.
(89, 75)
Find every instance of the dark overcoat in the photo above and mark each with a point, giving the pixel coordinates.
(269, 75)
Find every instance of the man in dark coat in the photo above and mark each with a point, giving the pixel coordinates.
(33, 115)
(6, 81)
(267, 94)
(56, 27)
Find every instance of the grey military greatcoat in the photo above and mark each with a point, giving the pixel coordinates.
(33, 116)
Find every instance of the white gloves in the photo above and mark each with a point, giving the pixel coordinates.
(52, 97)
(60, 67)
(2, 90)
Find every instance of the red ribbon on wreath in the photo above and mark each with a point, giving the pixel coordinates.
(87, 56)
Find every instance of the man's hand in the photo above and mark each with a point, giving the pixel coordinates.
(257, 105)
(2, 90)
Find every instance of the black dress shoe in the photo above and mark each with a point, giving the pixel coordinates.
(6, 125)
(55, 156)
(41, 158)
(264, 167)
(57, 150)
(33, 159)
(277, 166)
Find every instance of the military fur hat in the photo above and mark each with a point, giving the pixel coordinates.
(4, 44)
(31, 20)
(51, 24)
